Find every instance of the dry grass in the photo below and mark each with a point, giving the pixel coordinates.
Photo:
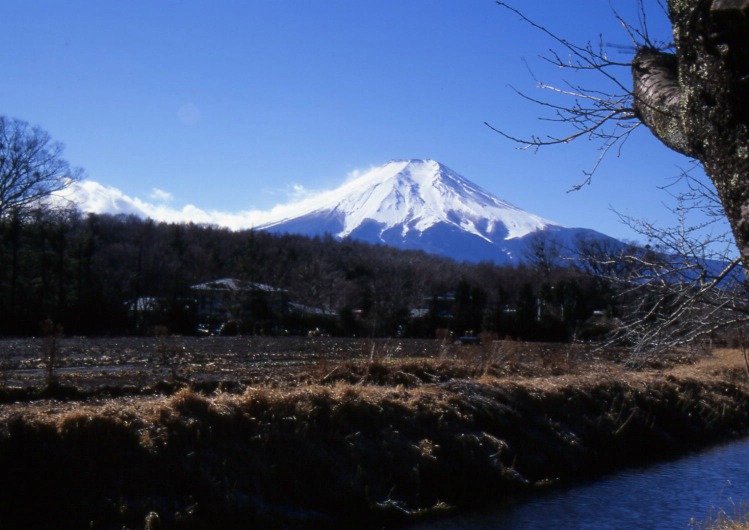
(726, 523)
(722, 520)
(376, 436)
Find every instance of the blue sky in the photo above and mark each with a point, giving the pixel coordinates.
(242, 105)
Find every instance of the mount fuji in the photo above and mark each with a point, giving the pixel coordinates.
(423, 205)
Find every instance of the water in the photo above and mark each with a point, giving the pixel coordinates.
(663, 496)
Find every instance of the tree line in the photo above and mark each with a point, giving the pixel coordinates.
(88, 272)
(94, 274)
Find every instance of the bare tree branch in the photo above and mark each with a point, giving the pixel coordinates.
(691, 94)
(31, 166)
(686, 284)
(604, 116)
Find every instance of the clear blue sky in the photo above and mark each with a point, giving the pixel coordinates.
(228, 105)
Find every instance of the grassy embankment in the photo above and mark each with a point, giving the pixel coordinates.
(358, 443)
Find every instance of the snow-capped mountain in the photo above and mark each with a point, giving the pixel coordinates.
(423, 205)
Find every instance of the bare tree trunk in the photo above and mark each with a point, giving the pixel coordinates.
(692, 95)
(696, 101)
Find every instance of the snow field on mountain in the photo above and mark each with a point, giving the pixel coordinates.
(416, 195)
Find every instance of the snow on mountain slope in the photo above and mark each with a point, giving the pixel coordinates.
(408, 204)
(416, 195)
(423, 205)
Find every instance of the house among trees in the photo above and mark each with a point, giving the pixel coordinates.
(248, 306)
(230, 306)
(145, 311)
(111, 275)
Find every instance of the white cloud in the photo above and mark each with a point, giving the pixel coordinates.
(161, 195)
(356, 173)
(353, 175)
(299, 192)
(93, 197)
(293, 192)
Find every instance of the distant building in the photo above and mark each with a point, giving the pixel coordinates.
(302, 309)
(146, 311)
(252, 305)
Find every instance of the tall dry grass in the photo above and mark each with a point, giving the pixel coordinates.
(738, 519)
(369, 440)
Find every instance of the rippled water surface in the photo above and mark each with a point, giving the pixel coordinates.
(664, 496)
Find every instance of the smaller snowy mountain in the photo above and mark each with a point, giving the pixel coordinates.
(423, 205)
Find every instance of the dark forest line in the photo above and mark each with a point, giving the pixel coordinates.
(111, 275)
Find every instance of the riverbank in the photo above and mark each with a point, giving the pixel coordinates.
(355, 444)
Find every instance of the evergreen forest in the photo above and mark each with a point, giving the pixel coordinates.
(117, 275)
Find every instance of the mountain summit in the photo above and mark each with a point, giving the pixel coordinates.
(423, 205)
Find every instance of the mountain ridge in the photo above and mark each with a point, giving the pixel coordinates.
(424, 205)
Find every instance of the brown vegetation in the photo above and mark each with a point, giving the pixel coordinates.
(373, 438)
(737, 519)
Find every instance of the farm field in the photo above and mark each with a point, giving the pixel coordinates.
(137, 365)
(89, 363)
(142, 362)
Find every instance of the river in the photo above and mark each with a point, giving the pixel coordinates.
(664, 496)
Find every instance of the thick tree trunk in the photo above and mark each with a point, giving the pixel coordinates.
(697, 100)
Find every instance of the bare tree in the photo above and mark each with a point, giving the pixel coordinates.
(686, 283)
(31, 166)
(604, 115)
(694, 100)
(690, 90)
(544, 255)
